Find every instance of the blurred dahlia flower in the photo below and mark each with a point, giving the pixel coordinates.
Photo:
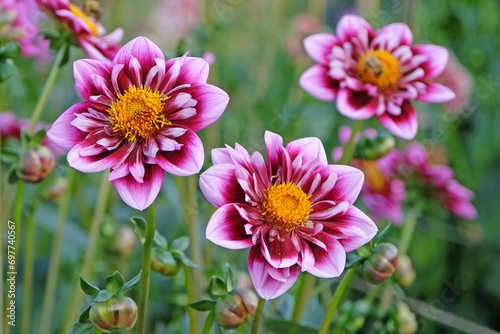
(88, 31)
(295, 211)
(17, 23)
(139, 118)
(383, 192)
(375, 73)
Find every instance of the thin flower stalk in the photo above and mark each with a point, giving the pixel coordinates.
(209, 322)
(193, 321)
(258, 316)
(348, 152)
(303, 295)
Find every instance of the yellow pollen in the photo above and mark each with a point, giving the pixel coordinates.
(373, 175)
(380, 69)
(138, 113)
(286, 205)
(78, 12)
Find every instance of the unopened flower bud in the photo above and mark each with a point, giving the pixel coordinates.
(125, 240)
(406, 320)
(381, 264)
(405, 274)
(375, 148)
(168, 268)
(37, 164)
(56, 189)
(115, 313)
(236, 308)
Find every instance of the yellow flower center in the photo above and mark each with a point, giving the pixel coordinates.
(78, 12)
(379, 68)
(373, 175)
(138, 113)
(287, 206)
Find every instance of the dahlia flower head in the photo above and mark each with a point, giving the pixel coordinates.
(294, 211)
(375, 73)
(383, 191)
(88, 31)
(139, 118)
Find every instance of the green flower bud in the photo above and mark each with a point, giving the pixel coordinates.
(236, 308)
(164, 263)
(405, 275)
(381, 264)
(375, 148)
(36, 164)
(406, 320)
(124, 241)
(115, 313)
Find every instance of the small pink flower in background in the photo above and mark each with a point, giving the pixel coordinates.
(18, 20)
(139, 118)
(295, 211)
(375, 73)
(209, 57)
(460, 81)
(383, 192)
(11, 126)
(89, 32)
(302, 25)
(440, 178)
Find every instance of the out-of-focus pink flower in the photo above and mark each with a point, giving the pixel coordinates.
(139, 118)
(88, 31)
(18, 20)
(460, 81)
(383, 192)
(440, 178)
(302, 25)
(209, 57)
(295, 211)
(375, 73)
(11, 126)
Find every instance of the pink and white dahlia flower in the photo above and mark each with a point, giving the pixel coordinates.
(139, 118)
(295, 211)
(375, 73)
(89, 32)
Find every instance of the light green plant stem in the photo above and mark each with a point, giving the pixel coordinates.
(28, 271)
(193, 320)
(146, 270)
(74, 302)
(408, 228)
(96, 331)
(258, 316)
(348, 152)
(303, 296)
(17, 227)
(339, 292)
(209, 322)
(51, 285)
(47, 88)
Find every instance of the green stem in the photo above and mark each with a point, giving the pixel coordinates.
(258, 316)
(209, 322)
(51, 285)
(47, 88)
(96, 331)
(302, 297)
(408, 229)
(193, 321)
(75, 299)
(344, 283)
(146, 270)
(348, 153)
(28, 271)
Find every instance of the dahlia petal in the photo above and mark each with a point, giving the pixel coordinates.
(171, 76)
(193, 70)
(350, 26)
(226, 229)
(439, 174)
(118, 172)
(306, 256)
(348, 185)
(274, 147)
(62, 133)
(326, 210)
(437, 57)
(317, 82)
(219, 185)
(325, 188)
(96, 163)
(119, 80)
(135, 71)
(436, 93)
(357, 105)
(141, 48)
(83, 70)
(186, 161)
(404, 125)
(140, 195)
(319, 46)
(136, 166)
(310, 148)
(395, 34)
(330, 262)
(266, 286)
(221, 156)
(278, 249)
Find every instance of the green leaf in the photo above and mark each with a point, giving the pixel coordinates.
(81, 328)
(114, 283)
(229, 278)
(187, 261)
(181, 243)
(139, 227)
(7, 69)
(36, 140)
(10, 154)
(88, 288)
(130, 284)
(217, 287)
(85, 316)
(12, 176)
(10, 50)
(283, 326)
(166, 257)
(380, 235)
(160, 240)
(103, 296)
(25, 138)
(203, 305)
(353, 260)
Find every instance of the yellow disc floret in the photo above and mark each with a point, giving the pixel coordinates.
(90, 23)
(138, 113)
(380, 69)
(286, 205)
